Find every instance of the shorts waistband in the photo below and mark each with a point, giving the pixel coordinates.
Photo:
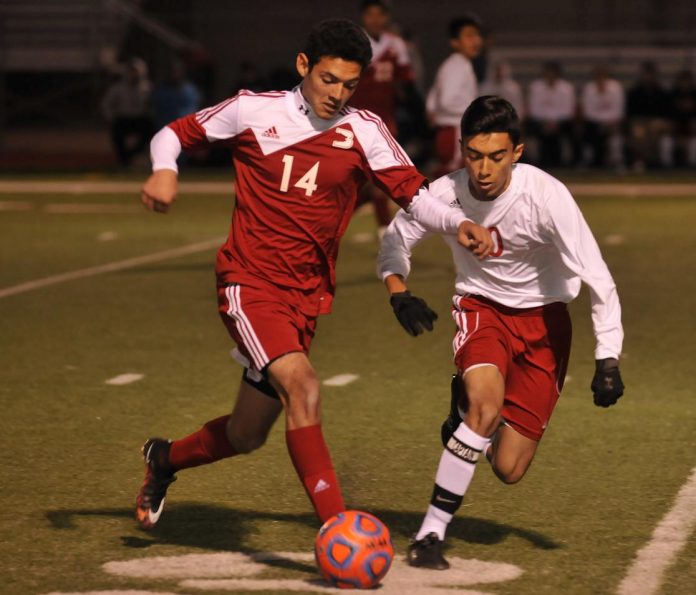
(553, 307)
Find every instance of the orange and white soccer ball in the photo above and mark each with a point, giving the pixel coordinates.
(353, 550)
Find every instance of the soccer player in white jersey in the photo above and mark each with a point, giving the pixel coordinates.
(455, 87)
(299, 157)
(513, 333)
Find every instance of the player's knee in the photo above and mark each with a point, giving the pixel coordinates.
(303, 396)
(245, 440)
(483, 413)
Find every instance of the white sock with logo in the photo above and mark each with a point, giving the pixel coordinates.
(454, 474)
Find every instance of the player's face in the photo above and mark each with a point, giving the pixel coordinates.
(469, 43)
(375, 21)
(329, 84)
(488, 158)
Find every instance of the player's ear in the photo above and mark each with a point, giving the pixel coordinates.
(517, 152)
(302, 64)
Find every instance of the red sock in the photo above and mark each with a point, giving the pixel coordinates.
(207, 445)
(312, 462)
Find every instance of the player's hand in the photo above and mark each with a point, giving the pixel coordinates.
(159, 191)
(475, 238)
(607, 385)
(412, 313)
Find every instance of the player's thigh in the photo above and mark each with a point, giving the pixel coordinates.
(513, 453)
(252, 418)
(535, 378)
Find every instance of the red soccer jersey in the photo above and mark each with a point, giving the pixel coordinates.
(390, 65)
(296, 183)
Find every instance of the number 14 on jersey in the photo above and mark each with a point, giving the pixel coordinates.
(307, 182)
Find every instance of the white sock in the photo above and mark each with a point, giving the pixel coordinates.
(454, 474)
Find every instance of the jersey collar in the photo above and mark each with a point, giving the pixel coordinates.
(303, 111)
(302, 107)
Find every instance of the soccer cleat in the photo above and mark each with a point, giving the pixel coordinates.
(150, 500)
(453, 419)
(426, 553)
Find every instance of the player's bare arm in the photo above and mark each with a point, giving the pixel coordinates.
(160, 190)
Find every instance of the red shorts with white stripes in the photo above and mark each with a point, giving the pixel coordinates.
(263, 325)
(529, 346)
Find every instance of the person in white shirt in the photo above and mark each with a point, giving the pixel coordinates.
(455, 87)
(552, 108)
(513, 336)
(603, 105)
(501, 83)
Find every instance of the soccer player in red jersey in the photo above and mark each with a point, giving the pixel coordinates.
(299, 158)
(380, 84)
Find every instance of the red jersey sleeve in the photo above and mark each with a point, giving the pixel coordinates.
(387, 164)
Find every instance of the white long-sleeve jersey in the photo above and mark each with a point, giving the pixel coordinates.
(455, 87)
(544, 249)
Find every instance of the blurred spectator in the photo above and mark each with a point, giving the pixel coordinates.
(382, 85)
(679, 147)
(175, 97)
(249, 78)
(552, 108)
(455, 87)
(602, 103)
(647, 105)
(126, 106)
(501, 83)
(412, 124)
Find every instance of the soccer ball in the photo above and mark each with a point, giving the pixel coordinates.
(353, 550)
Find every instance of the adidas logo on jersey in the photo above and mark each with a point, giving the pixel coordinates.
(321, 486)
(271, 133)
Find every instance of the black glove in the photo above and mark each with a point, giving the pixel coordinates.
(606, 385)
(412, 313)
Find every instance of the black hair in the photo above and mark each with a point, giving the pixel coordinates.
(383, 4)
(338, 38)
(456, 25)
(491, 113)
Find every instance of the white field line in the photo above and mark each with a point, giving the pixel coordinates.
(645, 574)
(111, 267)
(114, 187)
(340, 380)
(123, 379)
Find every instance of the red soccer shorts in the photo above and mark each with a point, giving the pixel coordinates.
(263, 324)
(530, 347)
(447, 150)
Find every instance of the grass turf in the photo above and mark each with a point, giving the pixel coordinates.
(601, 482)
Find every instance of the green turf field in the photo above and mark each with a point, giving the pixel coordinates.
(601, 483)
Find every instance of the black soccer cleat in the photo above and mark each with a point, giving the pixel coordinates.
(453, 420)
(426, 553)
(149, 502)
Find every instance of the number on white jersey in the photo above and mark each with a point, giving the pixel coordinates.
(307, 182)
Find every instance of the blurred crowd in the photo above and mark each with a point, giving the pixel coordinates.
(602, 124)
(599, 123)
